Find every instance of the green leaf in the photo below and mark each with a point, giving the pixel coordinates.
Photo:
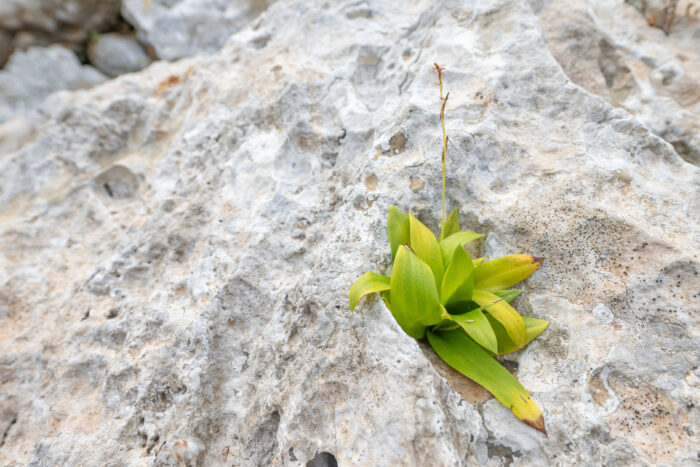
(502, 273)
(504, 313)
(464, 355)
(478, 328)
(458, 282)
(457, 239)
(426, 247)
(398, 228)
(478, 261)
(509, 295)
(533, 328)
(367, 283)
(386, 296)
(414, 297)
(451, 225)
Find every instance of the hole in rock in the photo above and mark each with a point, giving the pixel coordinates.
(118, 182)
(323, 459)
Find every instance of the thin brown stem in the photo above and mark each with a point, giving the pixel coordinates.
(443, 102)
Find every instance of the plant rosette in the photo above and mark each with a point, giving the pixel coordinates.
(462, 305)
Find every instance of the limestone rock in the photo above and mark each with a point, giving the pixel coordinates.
(177, 244)
(182, 28)
(32, 75)
(658, 13)
(115, 54)
(610, 50)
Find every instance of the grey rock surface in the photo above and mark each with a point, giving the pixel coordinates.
(183, 28)
(32, 75)
(609, 49)
(176, 247)
(115, 54)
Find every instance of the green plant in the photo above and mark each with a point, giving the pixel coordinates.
(461, 305)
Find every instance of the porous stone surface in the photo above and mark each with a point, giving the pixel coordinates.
(609, 49)
(176, 247)
(115, 54)
(32, 75)
(182, 28)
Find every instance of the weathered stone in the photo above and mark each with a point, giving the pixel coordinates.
(658, 13)
(116, 54)
(610, 50)
(201, 316)
(32, 75)
(182, 28)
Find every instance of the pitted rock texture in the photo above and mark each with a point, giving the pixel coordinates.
(609, 49)
(177, 244)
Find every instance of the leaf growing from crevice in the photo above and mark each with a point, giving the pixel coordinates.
(479, 328)
(369, 282)
(451, 225)
(426, 247)
(456, 240)
(504, 272)
(464, 355)
(533, 328)
(398, 229)
(386, 296)
(458, 283)
(414, 297)
(504, 314)
(508, 295)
